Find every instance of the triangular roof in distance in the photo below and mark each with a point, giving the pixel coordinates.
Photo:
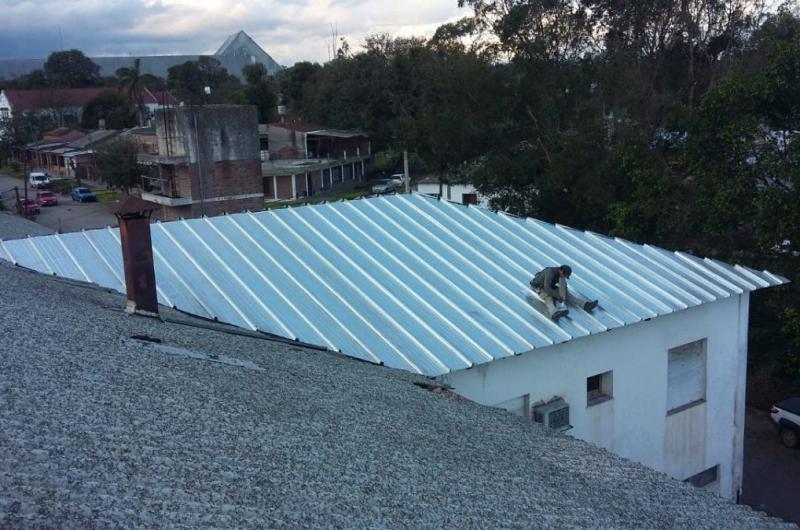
(241, 44)
(407, 281)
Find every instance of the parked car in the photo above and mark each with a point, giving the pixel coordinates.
(29, 206)
(386, 185)
(46, 198)
(39, 180)
(786, 415)
(83, 194)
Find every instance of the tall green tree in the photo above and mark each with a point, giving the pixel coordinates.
(188, 81)
(259, 91)
(71, 69)
(17, 131)
(117, 163)
(294, 82)
(130, 81)
(113, 107)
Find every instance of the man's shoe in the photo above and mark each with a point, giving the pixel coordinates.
(589, 306)
(559, 314)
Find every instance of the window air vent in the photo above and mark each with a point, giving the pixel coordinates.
(554, 415)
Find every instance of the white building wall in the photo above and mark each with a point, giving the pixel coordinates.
(634, 424)
(5, 104)
(452, 192)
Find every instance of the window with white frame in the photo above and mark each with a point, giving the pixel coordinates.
(686, 376)
(5, 113)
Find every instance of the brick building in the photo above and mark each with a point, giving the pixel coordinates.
(207, 161)
(302, 159)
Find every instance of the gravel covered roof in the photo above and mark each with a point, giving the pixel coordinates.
(99, 430)
(14, 227)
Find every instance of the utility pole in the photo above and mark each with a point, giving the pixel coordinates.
(16, 193)
(25, 206)
(199, 165)
(406, 176)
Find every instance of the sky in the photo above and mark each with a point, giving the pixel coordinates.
(289, 30)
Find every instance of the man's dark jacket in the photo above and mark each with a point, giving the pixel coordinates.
(547, 280)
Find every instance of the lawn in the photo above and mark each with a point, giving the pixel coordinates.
(13, 170)
(106, 196)
(62, 185)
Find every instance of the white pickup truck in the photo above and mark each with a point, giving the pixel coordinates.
(39, 180)
(786, 415)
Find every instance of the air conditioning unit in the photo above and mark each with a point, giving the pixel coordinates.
(554, 415)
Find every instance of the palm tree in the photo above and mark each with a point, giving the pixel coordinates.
(130, 80)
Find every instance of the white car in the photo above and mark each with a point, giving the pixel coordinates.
(39, 180)
(786, 415)
(386, 185)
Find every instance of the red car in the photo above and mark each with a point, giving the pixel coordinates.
(28, 207)
(46, 198)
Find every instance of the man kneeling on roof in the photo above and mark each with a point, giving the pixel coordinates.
(551, 286)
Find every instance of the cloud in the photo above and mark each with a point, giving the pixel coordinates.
(289, 30)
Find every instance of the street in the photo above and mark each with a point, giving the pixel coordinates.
(771, 471)
(68, 216)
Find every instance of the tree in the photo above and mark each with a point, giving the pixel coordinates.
(129, 80)
(154, 83)
(117, 163)
(295, 81)
(259, 91)
(71, 69)
(17, 131)
(32, 80)
(188, 81)
(113, 107)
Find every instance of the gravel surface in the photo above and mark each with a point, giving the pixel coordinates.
(97, 431)
(16, 227)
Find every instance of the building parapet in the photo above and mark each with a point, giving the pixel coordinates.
(298, 166)
(165, 200)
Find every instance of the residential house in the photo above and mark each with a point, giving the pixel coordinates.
(145, 138)
(302, 159)
(58, 107)
(66, 152)
(114, 420)
(154, 100)
(655, 374)
(207, 161)
(460, 192)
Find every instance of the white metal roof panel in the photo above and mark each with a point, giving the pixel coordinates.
(407, 280)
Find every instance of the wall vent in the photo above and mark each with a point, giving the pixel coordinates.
(554, 415)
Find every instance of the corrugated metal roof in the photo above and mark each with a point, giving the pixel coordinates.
(338, 133)
(409, 281)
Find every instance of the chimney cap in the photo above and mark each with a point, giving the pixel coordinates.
(133, 207)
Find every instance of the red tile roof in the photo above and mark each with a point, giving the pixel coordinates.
(158, 97)
(64, 134)
(44, 98)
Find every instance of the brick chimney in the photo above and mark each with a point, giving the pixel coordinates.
(137, 255)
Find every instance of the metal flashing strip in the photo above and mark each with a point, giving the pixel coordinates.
(407, 281)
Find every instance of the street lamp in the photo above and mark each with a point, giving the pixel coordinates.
(207, 92)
